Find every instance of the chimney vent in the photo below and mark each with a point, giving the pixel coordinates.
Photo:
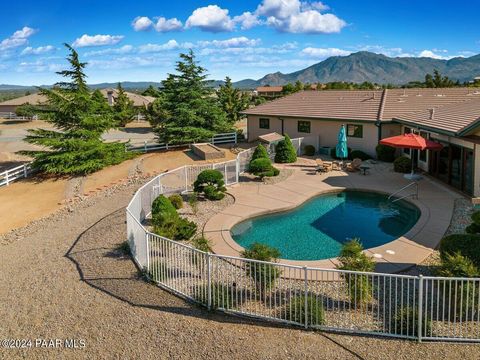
(110, 97)
(432, 113)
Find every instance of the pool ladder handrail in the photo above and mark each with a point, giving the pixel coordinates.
(414, 195)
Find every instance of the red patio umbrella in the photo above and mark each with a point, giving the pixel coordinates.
(411, 141)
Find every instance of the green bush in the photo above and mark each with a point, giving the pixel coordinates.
(309, 150)
(385, 153)
(202, 244)
(262, 167)
(166, 221)
(405, 322)
(352, 257)
(474, 227)
(456, 265)
(163, 212)
(211, 184)
(333, 153)
(360, 155)
(467, 245)
(193, 202)
(184, 229)
(176, 200)
(285, 152)
(402, 164)
(295, 310)
(263, 274)
(260, 152)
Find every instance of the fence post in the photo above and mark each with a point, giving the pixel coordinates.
(420, 308)
(25, 173)
(6, 177)
(209, 283)
(306, 295)
(236, 137)
(166, 146)
(148, 252)
(145, 146)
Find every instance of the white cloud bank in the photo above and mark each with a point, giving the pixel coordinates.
(97, 40)
(323, 53)
(144, 23)
(17, 39)
(210, 18)
(48, 49)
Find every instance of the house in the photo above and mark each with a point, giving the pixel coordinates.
(450, 116)
(269, 92)
(10, 106)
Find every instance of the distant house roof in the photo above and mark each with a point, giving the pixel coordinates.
(374, 105)
(269, 89)
(38, 99)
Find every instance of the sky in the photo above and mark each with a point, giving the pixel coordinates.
(140, 40)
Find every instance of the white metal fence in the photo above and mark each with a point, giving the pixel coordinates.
(411, 307)
(225, 138)
(13, 116)
(15, 173)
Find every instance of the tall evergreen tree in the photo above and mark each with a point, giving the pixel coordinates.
(80, 117)
(187, 111)
(123, 110)
(232, 101)
(151, 91)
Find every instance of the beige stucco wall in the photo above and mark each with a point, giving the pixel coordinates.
(322, 132)
(8, 108)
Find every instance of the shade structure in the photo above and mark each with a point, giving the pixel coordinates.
(411, 141)
(341, 150)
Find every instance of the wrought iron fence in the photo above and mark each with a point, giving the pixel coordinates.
(403, 306)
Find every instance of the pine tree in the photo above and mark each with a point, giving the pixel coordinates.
(123, 110)
(81, 118)
(232, 101)
(186, 111)
(151, 91)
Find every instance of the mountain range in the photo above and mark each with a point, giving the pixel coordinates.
(357, 67)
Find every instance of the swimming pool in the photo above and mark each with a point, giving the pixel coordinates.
(317, 229)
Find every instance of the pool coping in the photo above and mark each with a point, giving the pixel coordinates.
(395, 256)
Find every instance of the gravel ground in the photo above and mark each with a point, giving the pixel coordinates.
(64, 278)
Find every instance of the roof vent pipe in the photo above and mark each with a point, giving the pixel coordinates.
(432, 114)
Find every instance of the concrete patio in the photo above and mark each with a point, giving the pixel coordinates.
(435, 201)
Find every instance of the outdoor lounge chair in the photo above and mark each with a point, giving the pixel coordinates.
(323, 166)
(354, 165)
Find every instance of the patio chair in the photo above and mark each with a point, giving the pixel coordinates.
(354, 165)
(323, 166)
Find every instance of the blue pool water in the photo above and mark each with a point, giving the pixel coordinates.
(317, 229)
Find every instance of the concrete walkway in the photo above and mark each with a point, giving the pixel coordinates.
(253, 199)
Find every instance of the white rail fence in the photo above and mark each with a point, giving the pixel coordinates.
(411, 307)
(15, 173)
(13, 116)
(225, 138)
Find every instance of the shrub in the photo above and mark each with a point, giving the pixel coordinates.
(285, 152)
(167, 222)
(474, 227)
(202, 244)
(263, 274)
(260, 152)
(211, 184)
(402, 164)
(333, 153)
(385, 153)
(262, 168)
(309, 150)
(176, 200)
(352, 257)
(456, 265)
(360, 154)
(184, 229)
(405, 322)
(222, 296)
(163, 212)
(295, 310)
(467, 245)
(193, 202)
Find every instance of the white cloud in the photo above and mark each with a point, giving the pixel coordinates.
(431, 54)
(247, 20)
(323, 53)
(38, 66)
(294, 16)
(150, 48)
(164, 25)
(391, 52)
(125, 49)
(97, 40)
(38, 50)
(18, 38)
(210, 18)
(142, 23)
(233, 42)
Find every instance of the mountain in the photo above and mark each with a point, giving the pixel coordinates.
(376, 68)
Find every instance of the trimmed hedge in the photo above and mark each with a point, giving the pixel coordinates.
(166, 221)
(309, 150)
(474, 227)
(402, 164)
(263, 168)
(260, 153)
(295, 310)
(360, 155)
(456, 265)
(385, 153)
(467, 245)
(285, 152)
(210, 183)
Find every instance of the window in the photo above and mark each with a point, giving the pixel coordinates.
(355, 131)
(264, 123)
(304, 126)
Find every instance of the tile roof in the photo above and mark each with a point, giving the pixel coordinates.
(138, 100)
(269, 89)
(33, 99)
(383, 105)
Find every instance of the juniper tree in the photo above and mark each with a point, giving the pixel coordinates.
(80, 118)
(123, 110)
(232, 101)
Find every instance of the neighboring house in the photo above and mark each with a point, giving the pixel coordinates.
(269, 92)
(450, 116)
(10, 106)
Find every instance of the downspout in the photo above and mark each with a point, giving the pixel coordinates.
(281, 121)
